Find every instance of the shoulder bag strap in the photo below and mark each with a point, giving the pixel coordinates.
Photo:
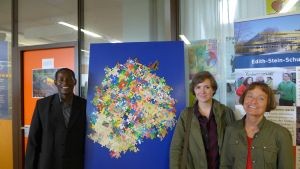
(186, 138)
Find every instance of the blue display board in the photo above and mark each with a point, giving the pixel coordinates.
(136, 92)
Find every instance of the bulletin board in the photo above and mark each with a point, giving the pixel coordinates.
(136, 92)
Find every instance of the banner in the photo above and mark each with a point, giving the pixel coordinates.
(135, 94)
(268, 50)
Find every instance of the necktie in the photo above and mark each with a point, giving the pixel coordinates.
(66, 113)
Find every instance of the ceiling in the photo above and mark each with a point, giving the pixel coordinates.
(114, 20)
(38, 20)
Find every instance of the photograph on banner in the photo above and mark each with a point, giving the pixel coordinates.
(202, 56)
(267, 42)
(281, 80)
(280, 6)
(134, 98)
(43, 82)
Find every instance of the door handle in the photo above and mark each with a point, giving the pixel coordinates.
(26, 130)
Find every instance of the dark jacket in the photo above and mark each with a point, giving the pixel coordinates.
(52, 145)
(196, 156)
(271, 147)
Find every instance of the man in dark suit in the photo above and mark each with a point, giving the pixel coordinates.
(58, 126)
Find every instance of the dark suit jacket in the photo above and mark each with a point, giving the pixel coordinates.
(52, 145)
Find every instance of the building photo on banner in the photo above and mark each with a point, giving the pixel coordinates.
(268, 50)
(135, 94)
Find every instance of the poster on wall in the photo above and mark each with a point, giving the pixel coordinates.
(280, 6)
(4, 76)
(229, 55)
(136, 91)
(202, 56)
(268, 50)
(230, 72)
(43, 82)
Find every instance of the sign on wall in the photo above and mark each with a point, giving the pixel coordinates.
(4, 76)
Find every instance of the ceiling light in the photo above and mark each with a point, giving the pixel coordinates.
(85, 51)
(115, 41)
(95, 35)
(184, 39)
(68, 25)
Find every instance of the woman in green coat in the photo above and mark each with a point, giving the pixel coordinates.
(208, 119)
(255, 142)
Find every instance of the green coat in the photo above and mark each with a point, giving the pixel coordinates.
(196, 156)
(271, 147)
(287, 90)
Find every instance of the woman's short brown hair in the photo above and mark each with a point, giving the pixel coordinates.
(201, 77)
(271, 104)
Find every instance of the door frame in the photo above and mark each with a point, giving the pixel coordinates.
(18, 99)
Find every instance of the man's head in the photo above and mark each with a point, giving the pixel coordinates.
(65, 81)
(286, 77)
